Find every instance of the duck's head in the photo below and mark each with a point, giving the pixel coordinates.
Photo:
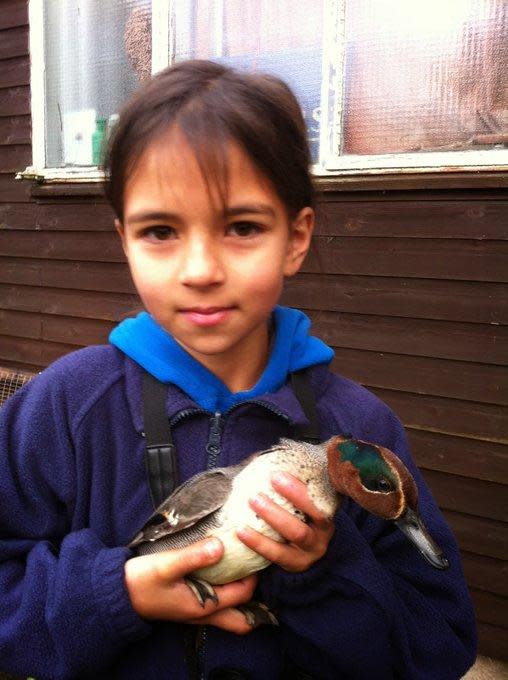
(376, 479)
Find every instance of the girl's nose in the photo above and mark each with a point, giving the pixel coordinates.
(201, 264)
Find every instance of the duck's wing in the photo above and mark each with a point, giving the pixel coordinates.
(197, 498)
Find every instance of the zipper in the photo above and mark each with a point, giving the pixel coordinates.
(213, 450)
(214, 440)
(213, 447)
(200, 646)
(217, 418)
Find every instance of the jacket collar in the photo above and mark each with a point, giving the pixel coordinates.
(152, 347)
(282, 402)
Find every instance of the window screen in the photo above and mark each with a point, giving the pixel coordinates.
(283, 38)
(96, 53)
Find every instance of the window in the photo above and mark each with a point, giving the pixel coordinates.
(284, 38)
(87, 57)
(421, 83)
(383, 84)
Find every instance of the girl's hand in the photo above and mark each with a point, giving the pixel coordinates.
(306, 543)
(157, 590)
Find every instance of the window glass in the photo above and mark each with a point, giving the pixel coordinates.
(283, 38)
(96, 51)
(425, 76)
(399, 77)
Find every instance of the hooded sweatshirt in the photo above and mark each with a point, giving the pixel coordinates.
(74, 492)
(149, 345)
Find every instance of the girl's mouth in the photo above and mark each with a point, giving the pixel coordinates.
(206, 316)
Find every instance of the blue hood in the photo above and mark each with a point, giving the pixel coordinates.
(144, 341)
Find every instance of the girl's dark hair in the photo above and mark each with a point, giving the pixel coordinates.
(211, 105)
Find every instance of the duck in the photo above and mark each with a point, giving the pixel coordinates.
(215, 503)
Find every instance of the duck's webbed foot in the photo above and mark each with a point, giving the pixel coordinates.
(257, 614)
(202, 590)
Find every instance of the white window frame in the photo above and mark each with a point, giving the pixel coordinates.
(330, 163)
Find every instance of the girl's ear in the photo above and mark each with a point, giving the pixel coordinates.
(121, 232)
(299, 241)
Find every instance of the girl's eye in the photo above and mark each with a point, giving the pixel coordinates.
(159, 233)
(244, 228)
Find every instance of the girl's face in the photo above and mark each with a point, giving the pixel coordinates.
(210, 273)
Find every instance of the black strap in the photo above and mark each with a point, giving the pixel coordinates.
(160, 453)
(302, 388)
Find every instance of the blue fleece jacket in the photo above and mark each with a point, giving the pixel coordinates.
(73, 492)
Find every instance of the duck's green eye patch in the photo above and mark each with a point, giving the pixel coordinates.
(374, 473)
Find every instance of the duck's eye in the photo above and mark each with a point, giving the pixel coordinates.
(384, 485)
(379, 484)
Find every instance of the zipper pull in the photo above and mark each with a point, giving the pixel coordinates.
(213, 445)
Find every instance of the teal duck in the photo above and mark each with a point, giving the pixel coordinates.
(215, 503)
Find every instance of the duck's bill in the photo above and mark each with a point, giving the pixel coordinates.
(412, 526)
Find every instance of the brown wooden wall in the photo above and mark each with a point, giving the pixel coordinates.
(407, 284)
(414, 301)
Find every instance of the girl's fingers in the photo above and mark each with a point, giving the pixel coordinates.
(174, 564)
(229, 596)
(179, 603)
(229, 619)
(296, 491)
(289, 557)
(155, 595)
(305, 543)
(236, 592)
(289, 527)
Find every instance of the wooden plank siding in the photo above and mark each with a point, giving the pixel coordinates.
(410, 292)
(408, 285)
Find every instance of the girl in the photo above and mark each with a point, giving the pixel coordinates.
(208, 176)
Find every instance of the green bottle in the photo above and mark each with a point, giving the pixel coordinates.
(97, 140)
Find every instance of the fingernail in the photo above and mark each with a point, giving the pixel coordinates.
(243, 532)
(259, 500)
(281, 478)
(213, 547)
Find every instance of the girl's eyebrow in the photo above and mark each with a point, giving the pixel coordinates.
(230, 211)
(151, 215)
(258, 208)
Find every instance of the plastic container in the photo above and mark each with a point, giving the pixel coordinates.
(97, 140)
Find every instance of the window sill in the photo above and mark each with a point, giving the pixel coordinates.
(401, 181)
(414, 181)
